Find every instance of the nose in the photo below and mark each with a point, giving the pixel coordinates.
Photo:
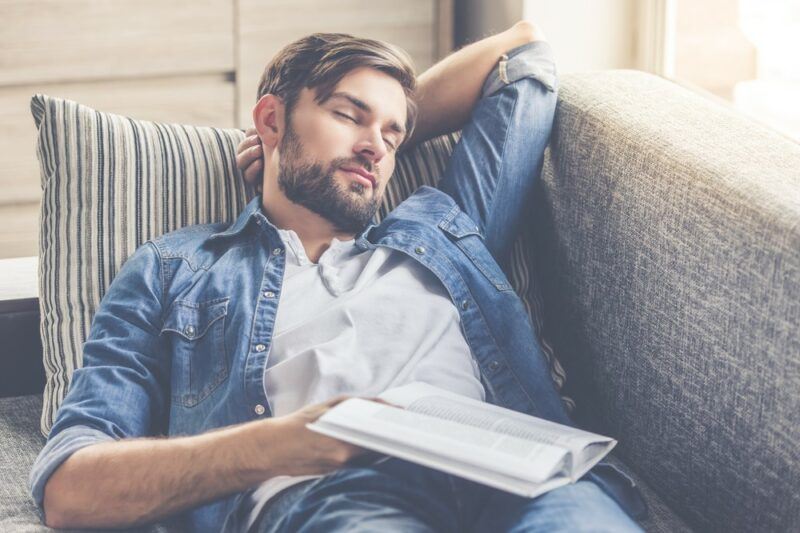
(372, 146)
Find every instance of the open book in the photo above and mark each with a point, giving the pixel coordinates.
(478, 441)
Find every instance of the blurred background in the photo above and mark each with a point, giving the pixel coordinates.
(199, 61)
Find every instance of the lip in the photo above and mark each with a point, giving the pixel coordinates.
(361, 173)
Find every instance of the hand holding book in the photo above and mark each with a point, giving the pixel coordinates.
(468, 438)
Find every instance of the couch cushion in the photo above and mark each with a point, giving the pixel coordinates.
(660, 518)
(110, 183)
(20, 442)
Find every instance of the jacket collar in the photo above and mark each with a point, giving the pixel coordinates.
(251, 210)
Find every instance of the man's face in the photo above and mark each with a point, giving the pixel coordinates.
(357, 129)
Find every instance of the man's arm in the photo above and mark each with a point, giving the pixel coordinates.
(99, 469)
(446, 93)
(493, 170)
(136, 481)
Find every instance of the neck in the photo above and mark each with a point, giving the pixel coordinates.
(314, 231)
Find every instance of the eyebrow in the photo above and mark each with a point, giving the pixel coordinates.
(362, 105)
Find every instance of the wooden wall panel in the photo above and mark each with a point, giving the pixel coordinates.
(266, 27)
(197, 100)
(19, 230)
(67, 40)
(187, 61)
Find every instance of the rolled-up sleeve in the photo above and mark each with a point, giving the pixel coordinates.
(495, 165)
(121, 391)
(55, 452)
(531, 60)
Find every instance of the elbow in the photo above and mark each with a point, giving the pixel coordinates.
(527, 31)
(54, 522)
(56, 504)
(53, 516)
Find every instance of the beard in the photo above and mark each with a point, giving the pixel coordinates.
(314, 187)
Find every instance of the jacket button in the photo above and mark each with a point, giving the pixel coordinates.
(277, 251)
(494, 365)
(260, 410)
(269, 294)
(189, 331)
(260, 347)
(464, 304)
(420, 250)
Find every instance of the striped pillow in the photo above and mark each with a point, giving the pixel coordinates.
(110, 183)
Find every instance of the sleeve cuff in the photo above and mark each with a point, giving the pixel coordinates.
(530, 60)
(56, 451)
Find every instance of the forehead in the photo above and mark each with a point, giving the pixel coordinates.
(372, 91)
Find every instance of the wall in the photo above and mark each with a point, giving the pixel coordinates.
(186, 61)
(586, 34)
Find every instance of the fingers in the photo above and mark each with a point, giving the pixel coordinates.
(251, 163)
(337, 400)
(251, 139)
(312, 412)
(315, 411)
(381, 400)
(250, 158)
(248, 155)
(251, 145)
(253, 173)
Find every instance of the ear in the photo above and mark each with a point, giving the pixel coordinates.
(268, 115)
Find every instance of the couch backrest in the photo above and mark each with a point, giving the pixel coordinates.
(668, 228)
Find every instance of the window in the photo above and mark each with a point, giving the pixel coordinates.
(744, 51)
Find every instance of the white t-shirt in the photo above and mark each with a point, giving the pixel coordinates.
(358, 323)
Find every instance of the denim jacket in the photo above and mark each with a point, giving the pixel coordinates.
(180, 341)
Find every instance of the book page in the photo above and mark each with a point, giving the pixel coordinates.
(426, 399)
(442, 462)
(504, 454)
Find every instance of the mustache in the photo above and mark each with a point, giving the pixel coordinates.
(362, 162)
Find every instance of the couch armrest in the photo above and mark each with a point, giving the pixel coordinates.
(668, 234)
(21, 368)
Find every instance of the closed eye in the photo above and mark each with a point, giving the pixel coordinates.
(344, 115)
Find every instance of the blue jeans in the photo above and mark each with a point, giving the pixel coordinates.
(397, 496)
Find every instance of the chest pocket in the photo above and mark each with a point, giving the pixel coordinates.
(197, 337)
(463, 231)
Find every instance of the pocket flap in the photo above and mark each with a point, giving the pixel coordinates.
(468, 238)
(192, 319)
(458, 224)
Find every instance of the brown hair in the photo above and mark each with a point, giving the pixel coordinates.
(320, 60)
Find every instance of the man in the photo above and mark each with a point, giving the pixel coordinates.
(189, 341)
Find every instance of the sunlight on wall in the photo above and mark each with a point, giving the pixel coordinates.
(773, 26)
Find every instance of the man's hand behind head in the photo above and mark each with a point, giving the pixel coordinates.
(250, 159)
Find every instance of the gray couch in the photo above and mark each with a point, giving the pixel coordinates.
(668, 236)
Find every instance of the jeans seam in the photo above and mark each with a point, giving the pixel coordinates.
(459, 505)
(503, 149)
(491, 208)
